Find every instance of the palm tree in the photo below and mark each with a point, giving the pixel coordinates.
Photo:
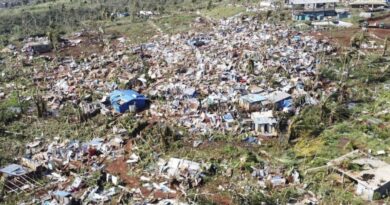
(251, 66)
(346, 60)
(358, 39)
(385, 46)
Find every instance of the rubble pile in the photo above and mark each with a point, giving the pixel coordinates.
(90, 172)
(232, 64)
(203, 81)
(236, 78)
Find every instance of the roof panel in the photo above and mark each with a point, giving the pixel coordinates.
(252, 98)
(313, 1)
(14, 170)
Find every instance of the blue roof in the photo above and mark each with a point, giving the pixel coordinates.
(14, 170)
(124, 96)
(228, 117)
(61, 193)
(278, 96)
(122, 99)
(252, 98)
(96, 142)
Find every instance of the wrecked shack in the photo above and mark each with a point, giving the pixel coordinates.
(38, 47)
(16, 178)
(371, 175)
(124, 100)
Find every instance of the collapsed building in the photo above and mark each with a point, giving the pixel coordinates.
(372, 176)
(38, 47)
(18, 179)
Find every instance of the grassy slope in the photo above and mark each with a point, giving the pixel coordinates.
(223, 12)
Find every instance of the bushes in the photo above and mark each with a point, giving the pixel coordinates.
(11, 109)
(308, 124)
(254, 198)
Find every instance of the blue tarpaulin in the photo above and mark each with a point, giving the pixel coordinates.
(14, 170)
(228, 117)
(61, 193)
(253, 98)
(121, 100)
(251, 140)
(285, 103)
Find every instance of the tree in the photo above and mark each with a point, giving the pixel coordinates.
(251, 66)
(385, 46)
(357, 40)
(268, 14)
(347, 58)
(210, 5)
(40, 104)
(53, 36)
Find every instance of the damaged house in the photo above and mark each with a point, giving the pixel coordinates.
(280, 100)
(123, 100)
(252, 102)
(16, 179)
(371, 175)
(38, 47)
(265, 123)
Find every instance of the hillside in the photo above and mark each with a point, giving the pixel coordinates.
(190, 102)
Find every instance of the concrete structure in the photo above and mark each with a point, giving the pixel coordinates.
(313, 9)
(372, 179)
(369, 3)
(38, 47)
(264, 123)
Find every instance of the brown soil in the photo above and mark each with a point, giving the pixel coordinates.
(343, 142)
(84, 49)
(380, 19)
(119, 167)
(129, 146)
(158, 194)
(381, 33)
(343, 37)
(222, 200)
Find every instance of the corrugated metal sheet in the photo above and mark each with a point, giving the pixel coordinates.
(314, 1)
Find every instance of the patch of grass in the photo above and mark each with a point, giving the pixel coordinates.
(308, 148)
(224, 12)
(11, 108)
(330, 192)
(176, 23)
(137, 32)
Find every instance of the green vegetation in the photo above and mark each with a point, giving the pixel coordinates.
(138, 32)
(223, 12)
(176, 23)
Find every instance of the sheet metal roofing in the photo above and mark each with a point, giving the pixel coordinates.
(252, 98)
(14, 170)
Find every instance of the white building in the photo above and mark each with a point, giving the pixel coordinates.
(264, 123)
